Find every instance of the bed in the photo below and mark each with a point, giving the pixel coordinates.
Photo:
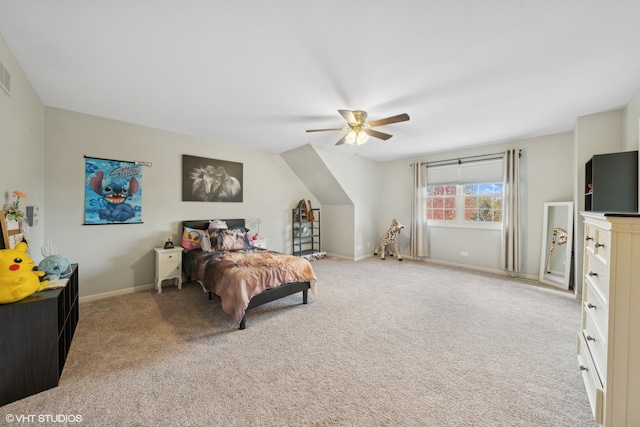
(240, 275)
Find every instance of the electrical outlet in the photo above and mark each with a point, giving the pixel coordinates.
(464, 253)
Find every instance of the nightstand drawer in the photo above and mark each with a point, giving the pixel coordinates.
(261, 243)
(170, 257)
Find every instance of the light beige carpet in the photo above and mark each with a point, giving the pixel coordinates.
(383, 343)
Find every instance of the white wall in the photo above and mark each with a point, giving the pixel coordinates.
(632, 124)
(21, 145)
(632, 128)
(119, 257)
(594, 134)
(360, 179)
(547, 176)
(337, 234)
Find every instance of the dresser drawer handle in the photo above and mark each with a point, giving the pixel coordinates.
(591, 305)
(599, 245)
(584, 368)
(588, 238)
(590, 338)
(591, 273)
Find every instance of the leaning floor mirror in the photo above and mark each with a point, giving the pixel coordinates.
(557, 244)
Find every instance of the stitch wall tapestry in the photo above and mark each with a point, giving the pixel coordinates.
(211, 180)
(113, 192)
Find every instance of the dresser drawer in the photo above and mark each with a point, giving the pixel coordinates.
(594, 303)
(591, 380)
(598, 276)
(597, 344)
(598, 243)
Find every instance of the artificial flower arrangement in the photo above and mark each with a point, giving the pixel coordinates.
(13, 211)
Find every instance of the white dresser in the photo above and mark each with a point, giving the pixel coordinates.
(609, 342)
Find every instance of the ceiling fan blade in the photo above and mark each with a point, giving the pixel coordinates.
(389, 120)
(377, 134)
(342, 140)
(323, 130)
(348, 116)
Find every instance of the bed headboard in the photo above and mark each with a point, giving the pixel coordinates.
(203, 224)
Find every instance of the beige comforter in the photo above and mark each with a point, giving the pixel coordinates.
(237, 276)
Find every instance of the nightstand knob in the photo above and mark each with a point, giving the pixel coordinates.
(591, 273)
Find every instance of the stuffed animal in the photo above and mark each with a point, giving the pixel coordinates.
(390, 238)
(56, 267)
(18, 279)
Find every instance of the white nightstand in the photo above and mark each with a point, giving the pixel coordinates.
(168, 266)
(260, 243)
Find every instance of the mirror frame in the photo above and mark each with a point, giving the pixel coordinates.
(564, 281)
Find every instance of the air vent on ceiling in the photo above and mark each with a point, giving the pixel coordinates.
(5, 79)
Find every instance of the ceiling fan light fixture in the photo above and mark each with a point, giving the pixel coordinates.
(351, 137)
(361, 138)
(356, 137)
(359, 130)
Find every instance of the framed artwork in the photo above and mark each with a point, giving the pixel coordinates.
(211, 180)
(113, 192)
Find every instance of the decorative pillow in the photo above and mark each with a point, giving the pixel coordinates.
(205, 244)
(216, 224)
(191, 238)
(230, 239)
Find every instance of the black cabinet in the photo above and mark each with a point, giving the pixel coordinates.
(306, 232)
(611, 182)
(35, 337)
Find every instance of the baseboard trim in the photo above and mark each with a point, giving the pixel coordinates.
(476, 268)
(116, 293)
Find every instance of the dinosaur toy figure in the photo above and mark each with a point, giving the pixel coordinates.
(115, 195)
(18, 280)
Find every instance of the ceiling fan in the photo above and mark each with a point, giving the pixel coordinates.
(359, 130)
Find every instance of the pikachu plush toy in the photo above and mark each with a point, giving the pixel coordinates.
(18, 279)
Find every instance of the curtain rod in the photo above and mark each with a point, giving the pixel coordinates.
(466, 159)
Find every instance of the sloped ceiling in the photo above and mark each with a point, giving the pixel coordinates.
(259, 73)
(316, 176)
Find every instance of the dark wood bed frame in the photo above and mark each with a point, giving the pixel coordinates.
(264, 297)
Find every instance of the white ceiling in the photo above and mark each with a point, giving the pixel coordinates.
(259, 73)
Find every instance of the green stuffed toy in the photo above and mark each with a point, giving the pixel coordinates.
(18, 279)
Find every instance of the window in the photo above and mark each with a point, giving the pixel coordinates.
(465, 203)
(483, 202)
(441, 202)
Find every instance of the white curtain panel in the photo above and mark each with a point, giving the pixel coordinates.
(419, 247)
(510, 253)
